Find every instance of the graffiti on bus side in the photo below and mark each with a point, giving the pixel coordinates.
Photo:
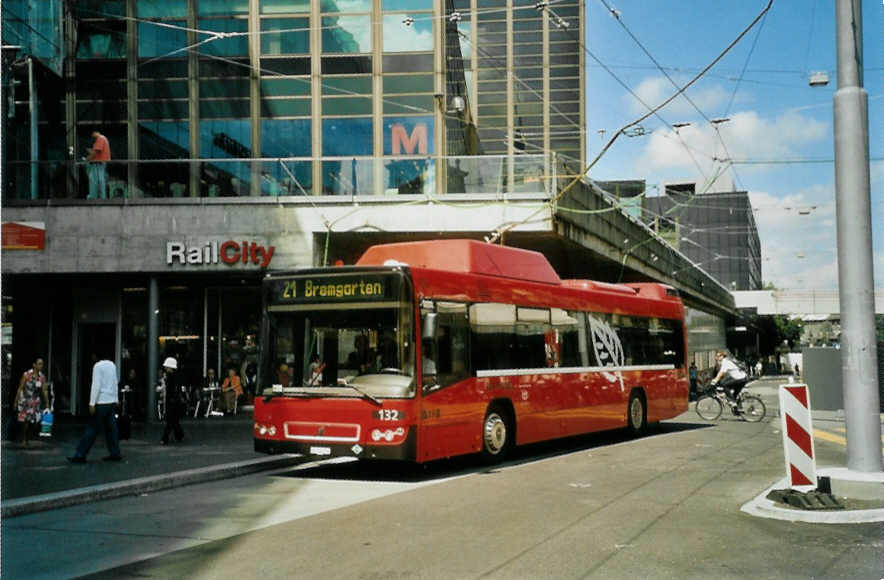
(608, 348)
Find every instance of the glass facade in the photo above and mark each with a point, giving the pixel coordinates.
(203, 98)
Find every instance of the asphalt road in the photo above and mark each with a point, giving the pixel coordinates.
(602, 506)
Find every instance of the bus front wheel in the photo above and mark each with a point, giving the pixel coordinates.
(497, 433)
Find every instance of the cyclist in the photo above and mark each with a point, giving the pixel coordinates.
(730, 377)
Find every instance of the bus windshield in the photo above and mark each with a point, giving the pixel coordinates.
(357, 349)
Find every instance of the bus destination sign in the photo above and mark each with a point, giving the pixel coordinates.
(335, 288)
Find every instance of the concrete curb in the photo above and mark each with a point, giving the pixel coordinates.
(765, 508)
(27, 505)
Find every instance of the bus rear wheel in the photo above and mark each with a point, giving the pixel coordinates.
(637, 415)
(497, 434)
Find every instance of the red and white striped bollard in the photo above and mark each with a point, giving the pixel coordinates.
(798, 437)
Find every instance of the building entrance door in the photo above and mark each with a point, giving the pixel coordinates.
(96, 341)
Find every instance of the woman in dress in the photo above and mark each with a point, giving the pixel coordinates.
(31, 398)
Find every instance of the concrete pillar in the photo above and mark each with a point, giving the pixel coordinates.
(153, 336)
(859, 365)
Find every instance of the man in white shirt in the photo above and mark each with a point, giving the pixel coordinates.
(102, 411)
(729, 376)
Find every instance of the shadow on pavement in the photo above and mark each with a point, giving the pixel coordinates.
(401, 472)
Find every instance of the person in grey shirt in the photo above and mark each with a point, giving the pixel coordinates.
(102, 413)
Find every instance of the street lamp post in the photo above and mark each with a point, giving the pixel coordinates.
(859, 370)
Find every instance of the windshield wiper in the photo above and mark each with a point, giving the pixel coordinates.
(364, 393)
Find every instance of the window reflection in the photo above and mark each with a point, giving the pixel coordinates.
(287, 178)
(346, 5)
(406, 5)
(284, 6)
(348, 177)
(226, 139)
(164, 88)
(285, 36)
(154, 41)
(286, 138)
(101, 40)
(232, 138)
(402, 176)
(283, 87)
(346, 34)
(399, 37)
(233, 46)
(164, 139)
(408, 84)
(343, 137)
(347, 86)
(346, 65)
(222, 7)
(99, 8)
(160, 9)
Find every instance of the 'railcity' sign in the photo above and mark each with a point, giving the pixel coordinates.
(229, 252)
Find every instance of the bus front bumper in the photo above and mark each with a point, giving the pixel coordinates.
(405, 451)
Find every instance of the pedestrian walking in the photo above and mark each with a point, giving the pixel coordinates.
(692, 375)
(32, 392)
(96, 168)
(102, 413)
(174, 401)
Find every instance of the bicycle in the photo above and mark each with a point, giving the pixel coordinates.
(713, 399)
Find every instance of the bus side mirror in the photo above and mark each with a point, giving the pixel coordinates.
(428, 326)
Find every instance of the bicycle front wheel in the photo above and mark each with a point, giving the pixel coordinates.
(708, 407)
(753, 408)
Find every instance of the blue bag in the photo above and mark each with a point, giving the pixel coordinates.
(46, 424)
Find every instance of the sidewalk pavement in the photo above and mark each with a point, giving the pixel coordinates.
(39, 477)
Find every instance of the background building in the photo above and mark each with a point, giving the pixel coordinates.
(716, 231)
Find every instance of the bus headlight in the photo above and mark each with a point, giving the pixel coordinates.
(388, 435)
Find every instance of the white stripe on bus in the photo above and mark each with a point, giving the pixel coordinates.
(571, 370)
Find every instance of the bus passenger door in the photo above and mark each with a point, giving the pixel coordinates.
(446, 416)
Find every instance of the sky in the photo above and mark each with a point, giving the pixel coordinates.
(779, 136)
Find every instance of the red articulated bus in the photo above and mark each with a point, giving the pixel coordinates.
(428, 350)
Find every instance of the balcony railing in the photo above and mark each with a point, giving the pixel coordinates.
(333, 176)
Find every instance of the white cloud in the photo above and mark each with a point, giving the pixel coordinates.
(401, 38)
(798, 238)
(746, 136)
(654, 90)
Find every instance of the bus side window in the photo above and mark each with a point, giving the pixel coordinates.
(492, 336)
(570, 328)
(452, 343)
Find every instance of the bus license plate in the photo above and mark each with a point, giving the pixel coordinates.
(320, 450)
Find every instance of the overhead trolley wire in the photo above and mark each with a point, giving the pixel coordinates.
(500, 231)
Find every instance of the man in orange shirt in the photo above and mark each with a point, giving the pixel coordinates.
(96, 168)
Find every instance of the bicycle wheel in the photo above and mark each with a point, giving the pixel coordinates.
(708, 407)
(753, 408)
